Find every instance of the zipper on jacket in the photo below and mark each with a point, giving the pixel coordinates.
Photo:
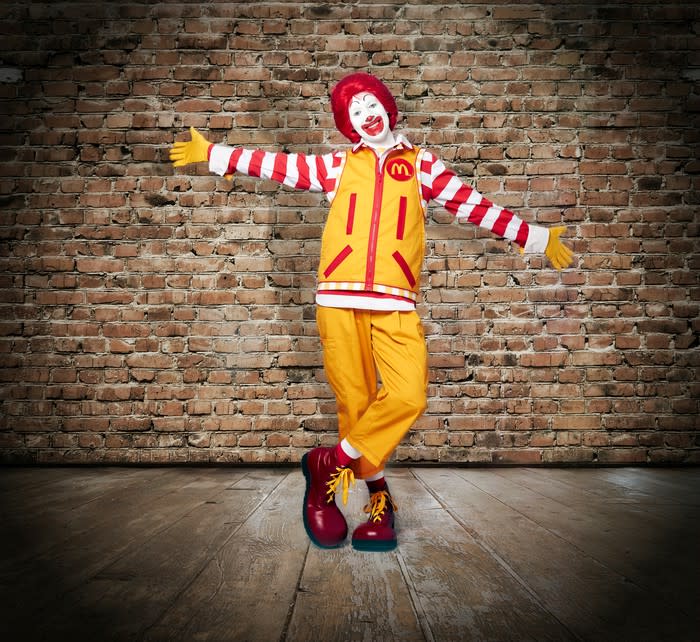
(374, 224)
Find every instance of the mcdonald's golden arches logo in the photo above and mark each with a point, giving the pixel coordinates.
(400, 169)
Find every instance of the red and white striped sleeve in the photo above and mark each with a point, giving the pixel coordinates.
(442, 185)
(299, 171)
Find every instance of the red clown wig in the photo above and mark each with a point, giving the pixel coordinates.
(355, 84)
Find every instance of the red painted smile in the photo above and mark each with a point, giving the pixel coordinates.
(373, 126)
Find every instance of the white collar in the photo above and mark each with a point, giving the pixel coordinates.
(401, 141)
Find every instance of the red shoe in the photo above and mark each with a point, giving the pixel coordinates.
(377, 533)
(323, 521)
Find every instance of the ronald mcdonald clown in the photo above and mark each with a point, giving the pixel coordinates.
(368, 284)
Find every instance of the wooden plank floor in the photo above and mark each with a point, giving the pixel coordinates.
(221, 554)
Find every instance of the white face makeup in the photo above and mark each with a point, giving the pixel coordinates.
(370, 120)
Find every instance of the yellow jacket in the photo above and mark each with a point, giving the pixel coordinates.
(374, 239)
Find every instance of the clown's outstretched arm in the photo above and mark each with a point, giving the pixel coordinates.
(299, 171)
(443, 186)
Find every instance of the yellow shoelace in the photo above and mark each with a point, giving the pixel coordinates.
(377, 505)
(344, 476)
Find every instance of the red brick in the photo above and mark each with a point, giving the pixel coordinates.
(209, 301)
(522, 457)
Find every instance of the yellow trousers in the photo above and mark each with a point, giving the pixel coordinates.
(358, 344)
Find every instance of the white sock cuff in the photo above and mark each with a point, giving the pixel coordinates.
(349, 450)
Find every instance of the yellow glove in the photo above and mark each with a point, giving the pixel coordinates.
(558, 253)
(196, 151)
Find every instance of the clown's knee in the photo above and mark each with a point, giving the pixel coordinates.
(413, 401)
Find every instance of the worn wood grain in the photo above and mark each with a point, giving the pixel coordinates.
(144, 582)
(580, 591)
(463, 590)
(665, 485)
(640, 486)
(188, 554)
(350, 595)
(96, 535)
(246, 589)
(653, 545)
(53, 515)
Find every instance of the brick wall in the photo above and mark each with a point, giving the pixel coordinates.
(153, 315)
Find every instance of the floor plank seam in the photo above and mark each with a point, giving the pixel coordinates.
(107, 491)
(110, 561)
(297, 591)
(500, 561)
(503, 554)
(205, 563)
(415, 600)
(144, 633)
(622, 576)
